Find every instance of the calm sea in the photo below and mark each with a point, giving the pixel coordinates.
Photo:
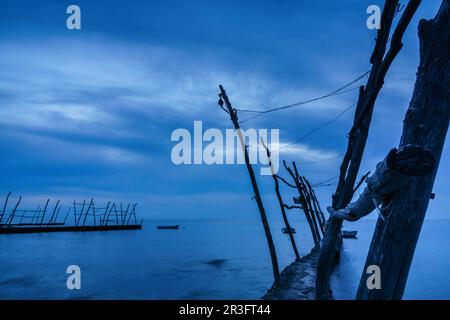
(202, 260)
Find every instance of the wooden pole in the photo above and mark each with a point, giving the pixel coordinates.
(234, 119)
(11, 216)
(57, 214)
(44, 211)
(133, 212)
(87, 211)
(426, 124)
(121, 213)
(125, 215)
(38, 209)
(80, 214)
(309, 205)
(280, 201)
(102, 221)
(23, 215)
(109, 213)
(316, 201)
(94, 214)
(304, 206)
(358, 135)
(361, 181)
(65, 218)
(306, 203)
(4, 206)
(53, 213)
(315, 204)
(117, 216)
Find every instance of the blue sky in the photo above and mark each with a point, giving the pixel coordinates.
(89, 113)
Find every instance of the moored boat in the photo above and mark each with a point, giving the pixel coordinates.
(288, 231)
(174, 227)
(349, 234)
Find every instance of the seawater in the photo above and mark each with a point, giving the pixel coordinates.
(201, 260)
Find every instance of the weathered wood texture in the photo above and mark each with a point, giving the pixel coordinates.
(307, 202)
(381, 61)
(280, 201)
(234, 119)
(425, 124)
(309, 205)
(316, 206)
(392, 174)
(304, 204)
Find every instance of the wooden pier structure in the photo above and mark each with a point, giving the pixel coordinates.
(86, 217)
(39, 229)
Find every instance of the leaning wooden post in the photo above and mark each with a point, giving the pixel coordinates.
(234, 119)
(102, 221)
(126, 213)
(4, 207)
(11, 216)
(357, 138)
(317, 205)
(121, 212)
(57, 213)
(117, 216)
(53, 213)
(314, 202)
(109, 213)
(94, 215)
(43, 212)
(35, 214)
(303, 204)
(91, 203)
(65, 218)
(133, 212)
(23, 215)
(306, 203)
(289, 229)
(319, 209)
(77, 222)
(309, 205)
(425, 124)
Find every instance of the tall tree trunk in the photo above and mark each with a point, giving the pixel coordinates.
(359, 133)
(425, 124)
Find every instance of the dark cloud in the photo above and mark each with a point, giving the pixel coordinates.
(90, 113)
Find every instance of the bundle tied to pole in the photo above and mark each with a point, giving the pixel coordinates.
(394, 172)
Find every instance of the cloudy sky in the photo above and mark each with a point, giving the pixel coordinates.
(89, 113)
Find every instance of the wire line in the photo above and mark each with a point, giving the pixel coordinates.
(318, 128)
(330, 94)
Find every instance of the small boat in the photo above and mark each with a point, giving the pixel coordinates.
(288, 231)
(175, 227)
(349, 234)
